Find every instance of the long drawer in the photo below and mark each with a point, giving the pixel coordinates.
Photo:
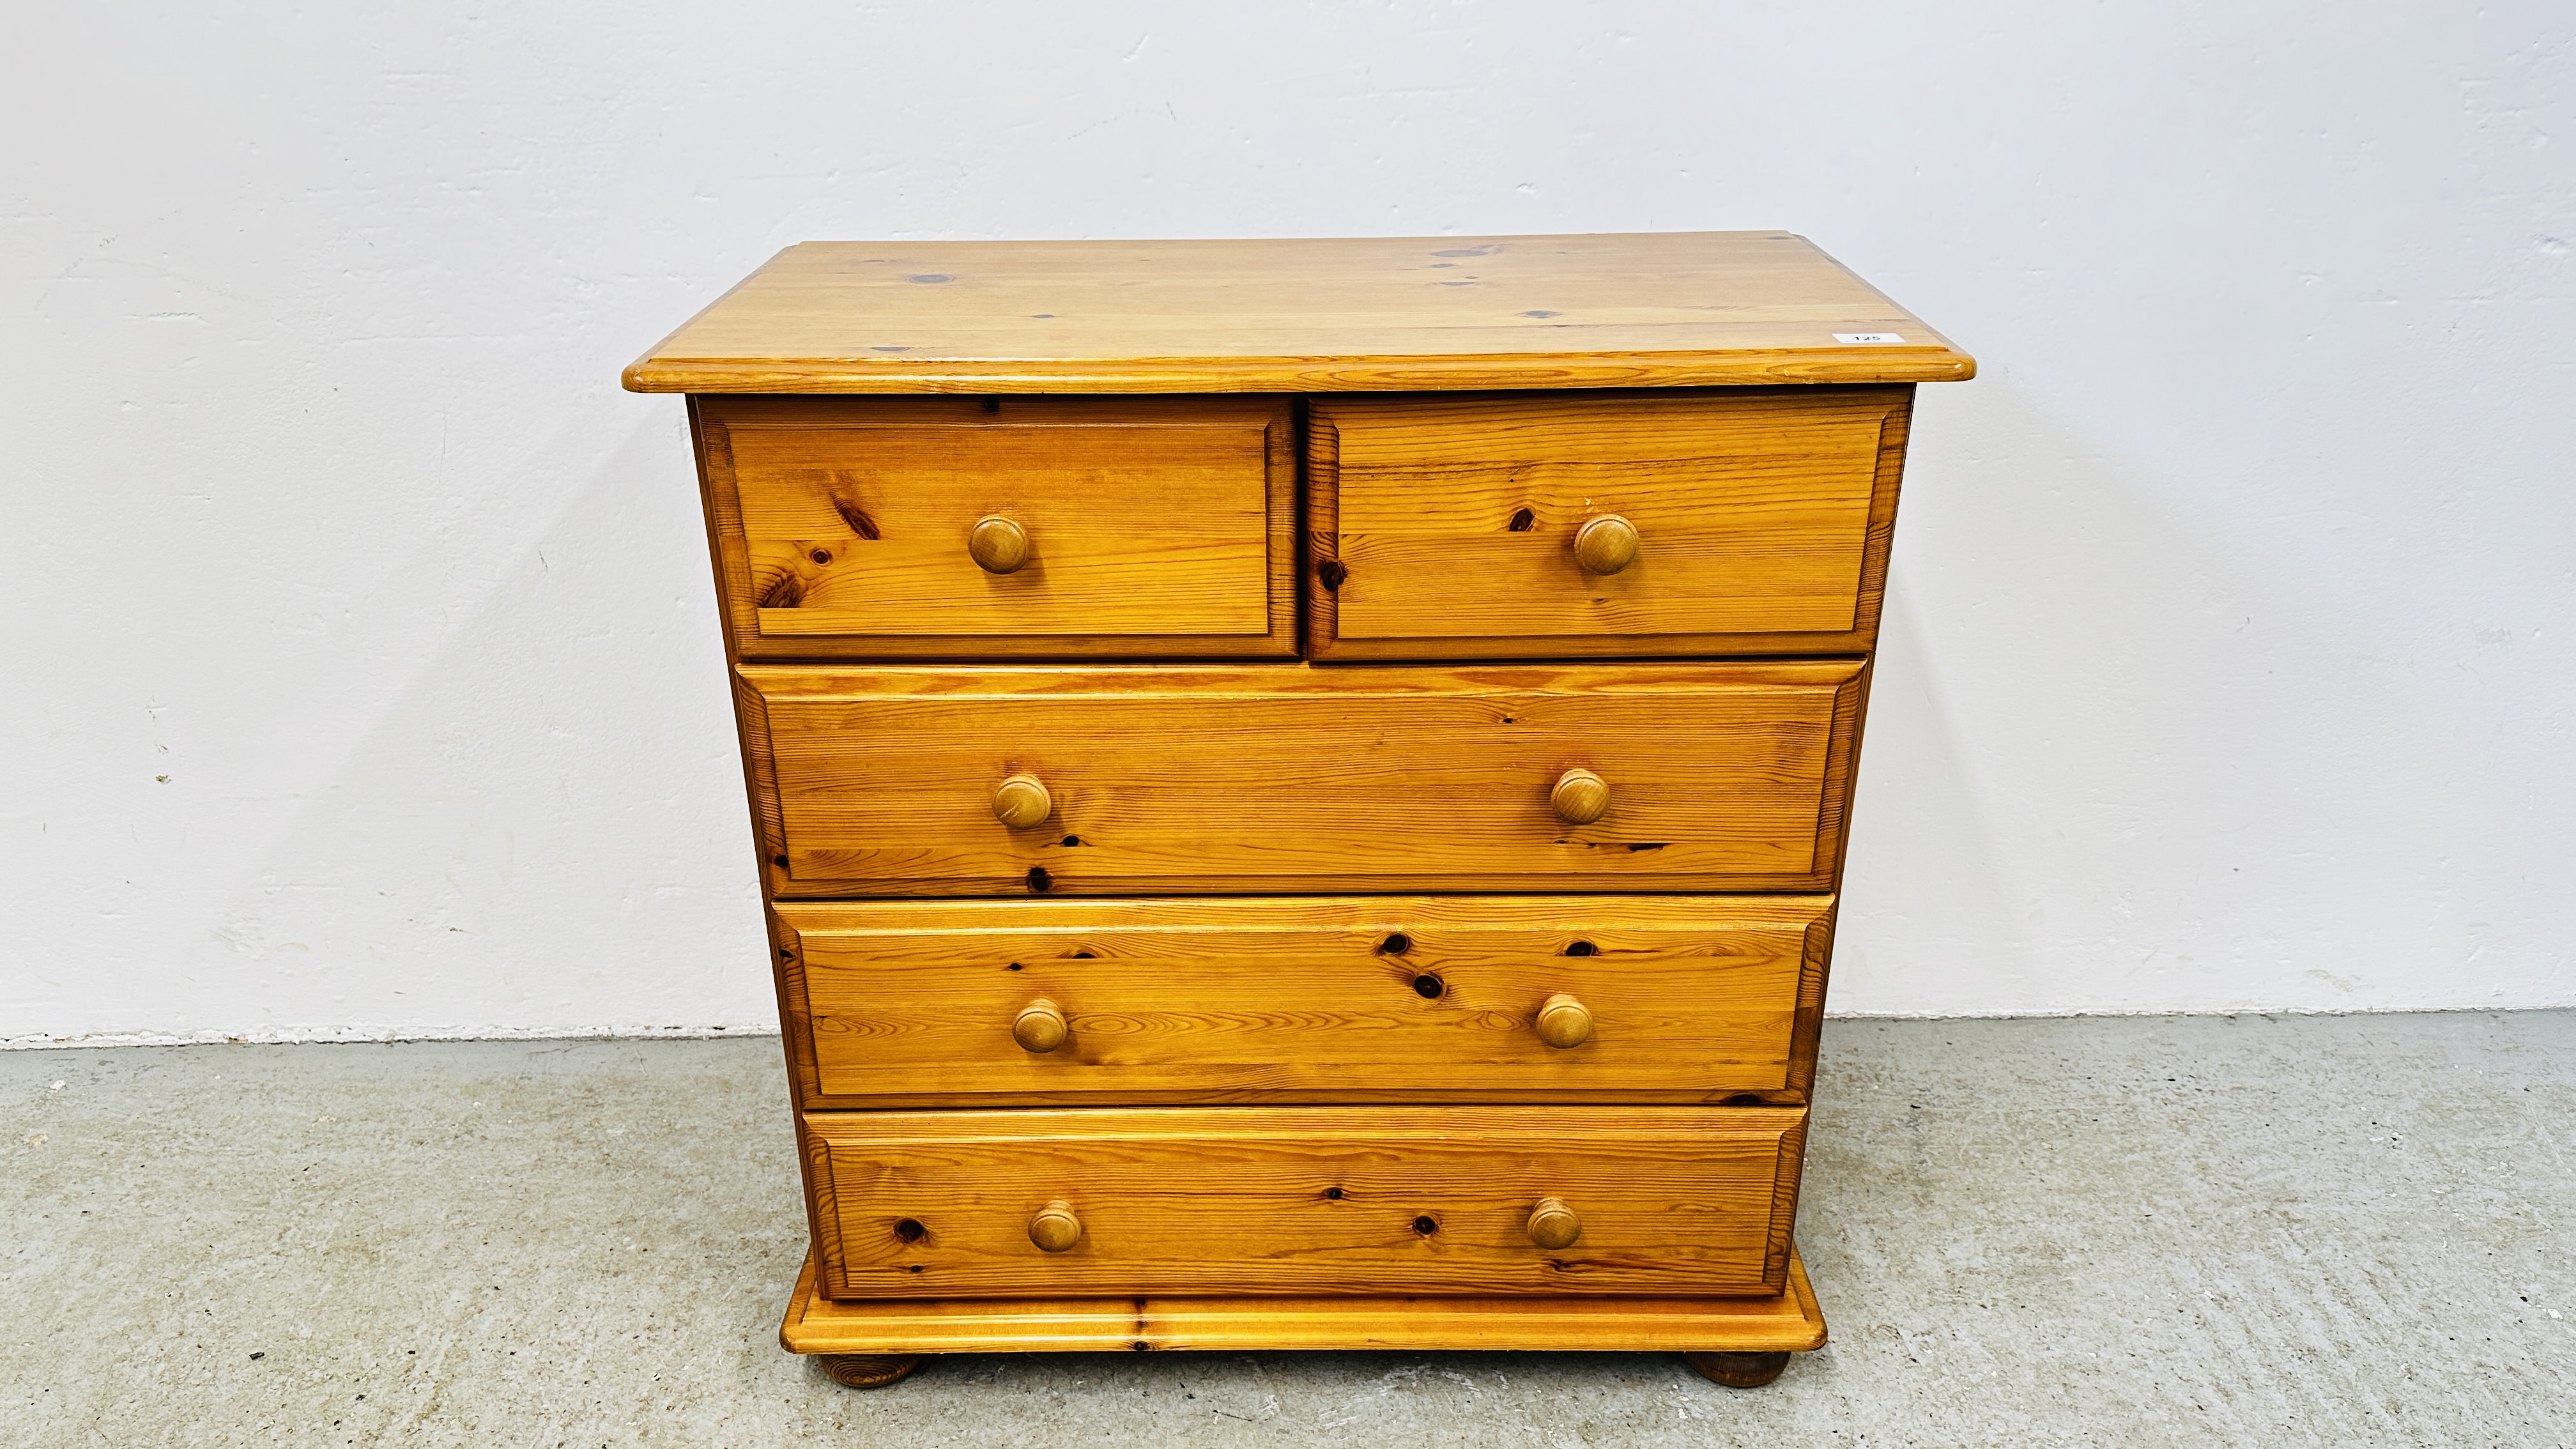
(1001, 780)
(1305, 1200)
(1479, 999)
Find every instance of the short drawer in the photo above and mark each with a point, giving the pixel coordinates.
(1448, 999)
(1305, 1201)
(931, 526)
(1722, 521)
(1287, 779)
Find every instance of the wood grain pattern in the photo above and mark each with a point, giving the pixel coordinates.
(1312, 315)
(1224, 1047)
(1789, 1321)
(1690, 999)
(868, 1370)
(1306, 1200)
(1155, 526)
(1445, 527)
(1288, 779)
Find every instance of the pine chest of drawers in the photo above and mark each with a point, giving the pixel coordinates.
(1301, 786)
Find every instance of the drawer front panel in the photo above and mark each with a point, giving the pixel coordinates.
(1304, 1200)
(843, 525)
(1672, 999)
(1449, 526)
(1710, 777)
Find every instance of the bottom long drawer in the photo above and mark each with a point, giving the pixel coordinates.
(1671, 1201)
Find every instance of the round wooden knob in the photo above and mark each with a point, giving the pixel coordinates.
(1055, 1228)
(1563, 1022)
(1021, 801)
(1554, 1225)
(1580, 797)
(1041, 1027)
(1606, 544)
(1001, 546)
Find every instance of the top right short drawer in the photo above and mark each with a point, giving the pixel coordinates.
(1716, 521)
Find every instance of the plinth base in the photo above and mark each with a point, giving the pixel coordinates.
(1790, 1322)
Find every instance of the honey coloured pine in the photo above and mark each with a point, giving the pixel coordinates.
(1091, 525)
(1355, 1201)
(1693, 521)
(1301, 785)
(1371, 999)
(1247, 780)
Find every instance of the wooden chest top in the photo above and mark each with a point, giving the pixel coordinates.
(1366, 314)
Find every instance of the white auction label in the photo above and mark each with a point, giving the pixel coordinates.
(1879, 339)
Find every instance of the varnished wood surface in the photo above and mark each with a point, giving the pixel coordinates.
(1739, 1370)
(1554, 1225)
(1271, 779)
(1690, 999)
(844, 527)
(1022, 802)
(1313, 315)
(1305, 1200)
(1444, 527)
(869, 1370)
(1136, 527)
(1789, 1321)
(1055, 1227)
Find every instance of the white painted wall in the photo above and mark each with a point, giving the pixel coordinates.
(361, 676)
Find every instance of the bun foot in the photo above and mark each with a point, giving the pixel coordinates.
(1739, 1370)
(876, 1370)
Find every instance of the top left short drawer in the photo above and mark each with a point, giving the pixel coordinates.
(847, 527)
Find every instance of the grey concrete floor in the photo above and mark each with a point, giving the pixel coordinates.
(2348, 1230)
